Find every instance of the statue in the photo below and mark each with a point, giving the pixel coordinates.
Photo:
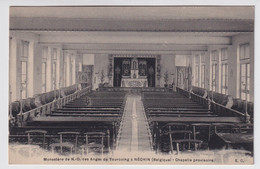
(134, 69)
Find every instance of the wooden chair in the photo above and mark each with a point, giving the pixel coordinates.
(172, 136)
(94, 141)
(34, 135)
(69, 144)
(224, 127)
(186, 144)
(206, 126)
(245, 128)
(175, 126)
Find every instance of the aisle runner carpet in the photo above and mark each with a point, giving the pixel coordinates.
(134, 135)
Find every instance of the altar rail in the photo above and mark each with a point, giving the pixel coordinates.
(46, 109)
(227, 100)
(134, 89)
(217, 108)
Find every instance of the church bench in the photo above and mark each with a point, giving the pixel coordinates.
(175, 106)
(172, 105)
(217, 108)
(86, 111)
(177, 100)
(175, 109)
(90, 109)
(95, 106)
(61, 120)
(181, 112)
(85, 115)
(184, 110)
(240, 105)
(196, 119)
(169, 101)
(182, 115)
(104, 113)
(157, 123)
(99, 100)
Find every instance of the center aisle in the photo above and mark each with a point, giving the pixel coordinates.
(134, 131)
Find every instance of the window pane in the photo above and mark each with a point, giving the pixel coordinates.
(54, 53)
(248, 83)
(43, 89)
(224, 54)
(241, 52)
(226, 75)
(203, 57)
(247, 51)
(44, 52)
(65, 73)
(54, 75)
(243, 69)
(23, 79)
(24, 67)
(24, 94)
(197, 59)
(248, 69)
(43, 67)
(25, 48)
(43, 79)
(243, 96)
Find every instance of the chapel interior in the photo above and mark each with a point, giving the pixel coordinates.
(100, 79)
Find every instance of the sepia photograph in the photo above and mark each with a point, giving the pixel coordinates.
(131, 85)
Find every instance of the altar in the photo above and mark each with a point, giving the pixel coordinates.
(128, 82)
(134, 73)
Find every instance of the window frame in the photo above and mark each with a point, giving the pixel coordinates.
(197, 70)
(224, 71)
(203, 70)
(214, 68)
(54, 68)
(24, 59)
(244, 60)
(44, 61)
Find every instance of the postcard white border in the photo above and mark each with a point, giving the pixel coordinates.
(4, 15)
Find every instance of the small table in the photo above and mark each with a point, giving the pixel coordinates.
(236, 138)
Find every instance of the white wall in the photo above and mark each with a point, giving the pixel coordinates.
(34, 82)
(233, 64)
(100, 63)
(167, 64)
(14, 64)
(88, 59)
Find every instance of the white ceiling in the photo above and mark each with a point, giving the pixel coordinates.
(138, 13)
(165, 29)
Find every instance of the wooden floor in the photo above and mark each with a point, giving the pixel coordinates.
(134, 131)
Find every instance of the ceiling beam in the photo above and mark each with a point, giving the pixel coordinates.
(132, 38)
(160, 25)
(136, 47)
(148, 52)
